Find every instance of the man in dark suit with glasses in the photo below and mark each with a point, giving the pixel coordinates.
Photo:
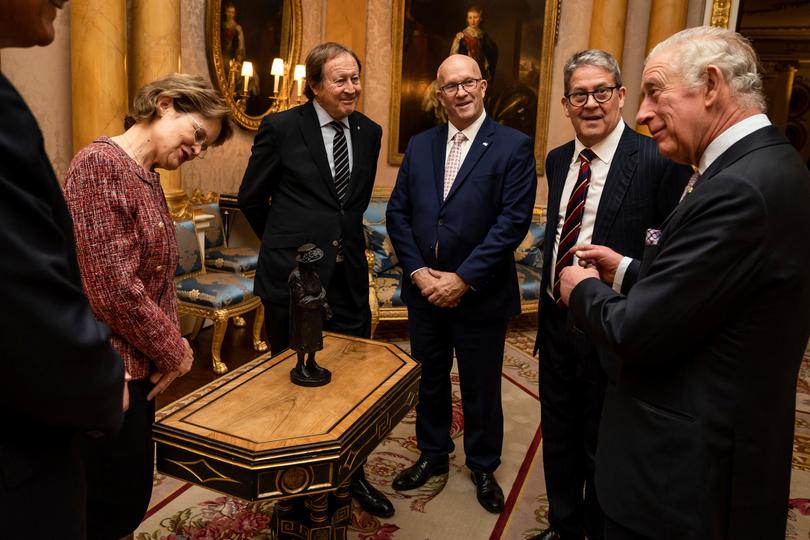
(606, 186)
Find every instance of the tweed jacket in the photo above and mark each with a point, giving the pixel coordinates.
(125, 242)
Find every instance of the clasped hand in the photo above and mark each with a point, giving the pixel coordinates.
(162, 380)
(442, 289)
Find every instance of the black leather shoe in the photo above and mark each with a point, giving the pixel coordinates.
(417, 474)
(548, 534)
(371, 499)
(489, 493)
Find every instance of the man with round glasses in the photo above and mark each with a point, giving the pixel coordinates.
(607, 186)
(461, 205)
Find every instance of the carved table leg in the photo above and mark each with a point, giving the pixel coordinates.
(319, 517)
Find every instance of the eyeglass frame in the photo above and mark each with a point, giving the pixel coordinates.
(197, 130)
(588, 95)
(455, 86)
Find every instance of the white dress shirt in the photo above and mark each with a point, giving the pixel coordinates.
(328, 133)
(470, 132)
(604, 150)
(729, 137)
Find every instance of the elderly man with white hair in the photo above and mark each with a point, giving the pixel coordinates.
(696, 435)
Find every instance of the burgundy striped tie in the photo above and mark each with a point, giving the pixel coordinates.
(573, 219)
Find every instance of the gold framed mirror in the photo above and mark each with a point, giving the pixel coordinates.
(243, 38)
(513, 42)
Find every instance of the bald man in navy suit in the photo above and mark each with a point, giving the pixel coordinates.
(462, 203)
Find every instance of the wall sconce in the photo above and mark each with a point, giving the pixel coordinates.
(247, 73)
(299, 75)
(277, 70)
(282, 97)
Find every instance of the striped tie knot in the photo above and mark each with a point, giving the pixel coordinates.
(337, 125)
(587, 155)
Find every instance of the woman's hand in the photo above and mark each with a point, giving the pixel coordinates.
(163, 380)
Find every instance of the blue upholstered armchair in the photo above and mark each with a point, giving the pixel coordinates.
(218, 256)
(218, 296)
(385, 274)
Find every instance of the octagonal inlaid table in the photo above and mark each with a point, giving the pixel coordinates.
(255, 435)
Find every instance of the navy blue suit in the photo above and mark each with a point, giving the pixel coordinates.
(477, 227)
(640, 190)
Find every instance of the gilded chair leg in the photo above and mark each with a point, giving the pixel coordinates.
(220, 325)
(198, 322)
(239, 321)
(259, 345)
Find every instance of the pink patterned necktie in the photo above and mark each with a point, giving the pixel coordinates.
(453, 163)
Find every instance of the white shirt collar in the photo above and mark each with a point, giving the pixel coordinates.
(324, 118)
(604, 149)
(729, 137)
(470, 131)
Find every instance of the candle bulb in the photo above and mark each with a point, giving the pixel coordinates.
(299, 75)
(247, 73)
(276, 70)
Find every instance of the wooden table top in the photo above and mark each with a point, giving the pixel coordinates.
(256, 418)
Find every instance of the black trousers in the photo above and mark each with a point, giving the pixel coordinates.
(350, 316)
(435, 334)
(119, 470)
(572, 389)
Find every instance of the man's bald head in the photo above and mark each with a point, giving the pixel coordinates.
(461, 89)
(456, 61)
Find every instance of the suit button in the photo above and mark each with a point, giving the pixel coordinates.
(342, 212)
(159, 268)
(335, 243)
(441, 222)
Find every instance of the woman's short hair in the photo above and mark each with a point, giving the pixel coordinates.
(694, 49)
(318, 57)
(190, 94)
(591, 57)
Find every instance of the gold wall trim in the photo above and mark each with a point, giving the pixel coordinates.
(721, 13)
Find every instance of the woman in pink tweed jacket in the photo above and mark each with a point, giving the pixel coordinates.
(127, 255)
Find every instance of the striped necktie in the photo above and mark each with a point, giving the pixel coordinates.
(573, 219)
(340, 154)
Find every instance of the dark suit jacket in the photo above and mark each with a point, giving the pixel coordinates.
(288, 196)
(641, 189)
(478, 226)
(696, 438)
(60, 375)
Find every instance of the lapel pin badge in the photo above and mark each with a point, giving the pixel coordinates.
(485, 143)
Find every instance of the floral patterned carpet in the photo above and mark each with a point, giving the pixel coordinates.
(445, 508)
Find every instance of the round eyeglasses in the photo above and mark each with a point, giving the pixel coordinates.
(600, 95)
(452, 88)
(199, 137)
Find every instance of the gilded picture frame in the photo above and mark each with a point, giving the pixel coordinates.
(264, 29)
(513, 41)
